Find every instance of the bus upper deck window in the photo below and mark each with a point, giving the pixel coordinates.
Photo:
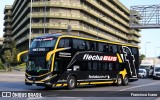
(105, 48)
(63, 43)
(93, 46)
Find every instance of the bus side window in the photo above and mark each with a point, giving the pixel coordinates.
(88, 45)
(104, 66)
(95, 66)
(134, 51)
(120, 49)
(113, 48)
(110, 66)
(64, 43)
(81, 44)
(90, 66)
(110, 49)
(75, 44)
(93, 46)
(99, 66)
(56, 66)
(101, 47)
(106, 48)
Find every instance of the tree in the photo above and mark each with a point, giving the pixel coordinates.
(10, 56)
(14, 52)
(142, 56)
(8, 59)
(1, 65)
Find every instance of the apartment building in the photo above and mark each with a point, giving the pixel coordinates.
(99, 19)
(1, 43)
(7, 27)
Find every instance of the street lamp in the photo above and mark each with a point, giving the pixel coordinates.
(44, 17)
(146, 48)
(98, 25)
(155, 54)
(30, 31)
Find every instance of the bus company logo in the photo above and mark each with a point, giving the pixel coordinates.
(100, 58)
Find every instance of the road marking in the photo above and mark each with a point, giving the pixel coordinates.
(157, 99)
(154, 83)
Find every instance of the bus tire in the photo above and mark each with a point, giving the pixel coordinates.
(125, 81)
(119, 80)
(71, 82)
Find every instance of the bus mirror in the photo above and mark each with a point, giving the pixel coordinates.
(20, 54)
(76, 68)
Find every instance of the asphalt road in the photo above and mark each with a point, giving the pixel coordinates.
(15, 82)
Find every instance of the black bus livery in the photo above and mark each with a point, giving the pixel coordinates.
(66, 60)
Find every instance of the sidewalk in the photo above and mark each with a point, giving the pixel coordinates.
(12, 76)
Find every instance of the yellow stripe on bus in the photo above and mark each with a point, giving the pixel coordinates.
(101, 82)
(58, 84)
(64, 84)
(119, 58)
(84, 83)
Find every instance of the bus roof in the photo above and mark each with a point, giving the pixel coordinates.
(92, 39)
(49, 35)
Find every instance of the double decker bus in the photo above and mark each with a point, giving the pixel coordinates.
(65, 60)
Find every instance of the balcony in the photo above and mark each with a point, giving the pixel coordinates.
(78, 6)
(7, 27)
(6, 46)
(134, 39)
(80, 17)
(7, 40)
(7, 21)
(108, 12)
(115, 9)
(121, 5)
(135, 33)
(7, 34)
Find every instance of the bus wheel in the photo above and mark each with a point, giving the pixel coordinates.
(125, 80)
(119, 80)
(71, 82)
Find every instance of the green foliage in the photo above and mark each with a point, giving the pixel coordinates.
(1, 65)
(8, 59)
(142, 56)
(14, 52)
(10, 56)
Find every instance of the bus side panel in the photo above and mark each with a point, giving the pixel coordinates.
(131, 62)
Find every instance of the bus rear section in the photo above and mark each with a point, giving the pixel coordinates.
(74, 61)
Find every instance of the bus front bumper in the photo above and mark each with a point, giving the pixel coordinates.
(37, 83)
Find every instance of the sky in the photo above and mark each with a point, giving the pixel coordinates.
(148, 35)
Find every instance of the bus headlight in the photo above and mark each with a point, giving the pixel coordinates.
(48, 77)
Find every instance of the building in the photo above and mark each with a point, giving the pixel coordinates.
(102, 19)
(1, 43)
(7, 28)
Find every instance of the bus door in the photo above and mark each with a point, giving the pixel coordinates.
(129, 59)
(63, 56)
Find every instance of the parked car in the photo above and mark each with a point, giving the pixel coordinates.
(148, 68)
(156, 72)
(142, 73)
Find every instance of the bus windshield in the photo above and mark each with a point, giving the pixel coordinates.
(43, 42)
(38, 64)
